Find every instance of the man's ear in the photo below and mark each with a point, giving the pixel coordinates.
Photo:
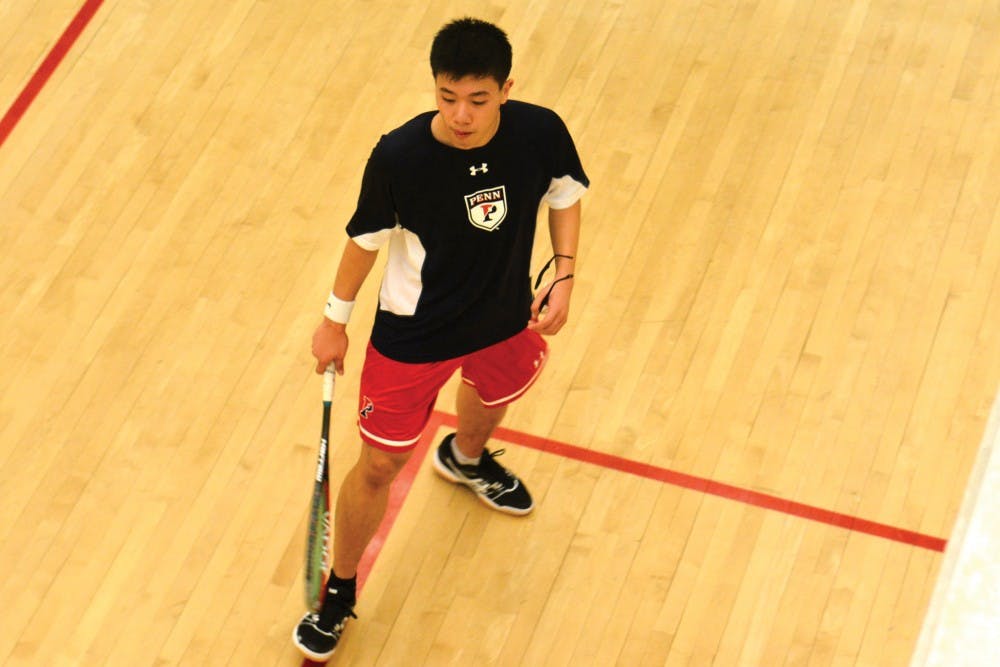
(505, 90)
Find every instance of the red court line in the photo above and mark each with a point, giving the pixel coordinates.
(745, 496)
(404, 481)
(41, 76)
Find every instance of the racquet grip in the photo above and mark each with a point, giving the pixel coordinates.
(328, 381)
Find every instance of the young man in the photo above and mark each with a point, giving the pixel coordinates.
(454, 194)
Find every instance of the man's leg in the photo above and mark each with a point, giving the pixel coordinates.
(475, 421)
(462, 457)
(361, 505)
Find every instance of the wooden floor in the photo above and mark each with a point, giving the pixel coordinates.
(788, 283)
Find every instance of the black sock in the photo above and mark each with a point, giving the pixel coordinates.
(345, 589)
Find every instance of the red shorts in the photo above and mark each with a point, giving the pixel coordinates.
(396, 398)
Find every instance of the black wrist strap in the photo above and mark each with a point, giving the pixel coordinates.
(545, 301)
(538, 280)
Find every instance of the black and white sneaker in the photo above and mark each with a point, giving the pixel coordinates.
(495, 485)
(317, 635)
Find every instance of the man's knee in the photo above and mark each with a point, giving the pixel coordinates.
(378, 468)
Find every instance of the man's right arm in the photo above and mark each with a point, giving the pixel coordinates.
(329, 344)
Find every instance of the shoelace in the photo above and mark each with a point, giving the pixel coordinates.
(491, 459)
(334, 609)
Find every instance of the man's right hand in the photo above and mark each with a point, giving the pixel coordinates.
(329, 346)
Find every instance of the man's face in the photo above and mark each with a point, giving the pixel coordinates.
(470, 108)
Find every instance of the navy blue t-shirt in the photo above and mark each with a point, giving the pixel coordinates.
(460, 225)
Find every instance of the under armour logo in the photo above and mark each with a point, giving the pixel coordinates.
(482, 169)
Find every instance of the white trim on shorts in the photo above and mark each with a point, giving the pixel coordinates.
(516, 394)
(396, 444)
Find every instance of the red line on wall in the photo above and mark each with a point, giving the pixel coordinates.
(41, 76)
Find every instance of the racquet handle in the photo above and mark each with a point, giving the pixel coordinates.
(328, 381)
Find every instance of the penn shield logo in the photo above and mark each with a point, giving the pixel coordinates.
(487, 208)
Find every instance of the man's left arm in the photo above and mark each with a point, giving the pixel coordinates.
(564, 230)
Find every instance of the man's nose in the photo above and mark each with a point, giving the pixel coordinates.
(463, 114)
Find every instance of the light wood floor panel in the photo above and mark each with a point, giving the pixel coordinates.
(27, 32)
(789, 282)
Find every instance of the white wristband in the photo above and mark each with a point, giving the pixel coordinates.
(338, 310)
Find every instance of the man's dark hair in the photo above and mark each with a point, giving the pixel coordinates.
(473, 47)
